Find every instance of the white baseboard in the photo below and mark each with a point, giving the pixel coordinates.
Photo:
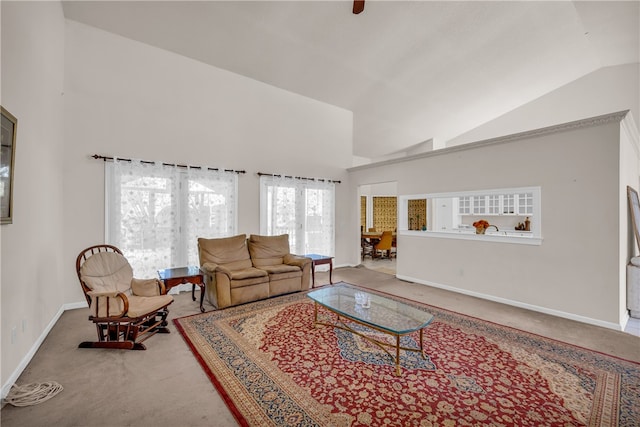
(343, 265)
(519, 304)
(74, 305)
(6, 387)
(625, 320)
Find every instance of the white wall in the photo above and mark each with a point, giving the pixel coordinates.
(576, 271)
(629, 176)
(379, 189)
(604, 91)
(32, 263)
(77, 91)
(127, 99)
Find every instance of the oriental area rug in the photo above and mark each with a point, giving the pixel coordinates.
(274, 368)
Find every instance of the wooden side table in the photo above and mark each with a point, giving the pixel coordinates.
(180, 275)
(317, 259)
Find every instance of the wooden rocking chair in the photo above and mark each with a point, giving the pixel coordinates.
(125, 310)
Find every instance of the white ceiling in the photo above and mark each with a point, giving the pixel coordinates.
(409, 71)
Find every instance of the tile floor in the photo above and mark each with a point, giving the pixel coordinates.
(389, 267)
(633, 327)
(383, 265)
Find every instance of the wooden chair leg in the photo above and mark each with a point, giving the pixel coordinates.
(122, 345)
(128, 335)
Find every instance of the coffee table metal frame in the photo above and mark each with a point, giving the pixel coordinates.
(384, 315)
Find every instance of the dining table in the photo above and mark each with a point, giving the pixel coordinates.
(374, 237)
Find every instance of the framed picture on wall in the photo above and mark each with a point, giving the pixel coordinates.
(7, 161)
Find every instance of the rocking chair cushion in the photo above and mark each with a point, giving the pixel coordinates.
(141, 306)
(112, 305)
(146, 287)
(107, 304)
(107, 272)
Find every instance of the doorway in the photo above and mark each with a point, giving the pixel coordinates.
(378, 213)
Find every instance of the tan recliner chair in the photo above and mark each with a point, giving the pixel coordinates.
(125, 310)
(287, 272)
(230, 277)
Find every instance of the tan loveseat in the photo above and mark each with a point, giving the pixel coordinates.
(238, 270)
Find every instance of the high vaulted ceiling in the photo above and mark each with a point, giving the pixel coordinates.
(409, 71)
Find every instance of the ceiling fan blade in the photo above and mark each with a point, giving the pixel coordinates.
(358, 6)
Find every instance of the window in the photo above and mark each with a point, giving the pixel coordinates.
(303, 209)
(156, 213)
(514, 213)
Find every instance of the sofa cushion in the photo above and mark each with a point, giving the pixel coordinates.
(282, 271)
(268, 250)
(250, 282)
(247, 273)
(297, 274)
(249, 293)
(230, 252)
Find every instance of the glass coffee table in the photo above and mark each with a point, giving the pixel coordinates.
(374, 311)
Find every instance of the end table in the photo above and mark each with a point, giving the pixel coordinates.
(177, 276)
(318, 259)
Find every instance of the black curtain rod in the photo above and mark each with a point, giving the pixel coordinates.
(105, 158)
(298, 177)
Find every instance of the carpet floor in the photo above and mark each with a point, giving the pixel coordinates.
(274, 368)
(165, 385)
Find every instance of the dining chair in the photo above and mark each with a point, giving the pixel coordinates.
(384, 245)
(366, 248)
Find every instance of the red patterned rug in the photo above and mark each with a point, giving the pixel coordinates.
(273, 368)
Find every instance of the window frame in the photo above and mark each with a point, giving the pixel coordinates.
(179, 192)
(300, 187)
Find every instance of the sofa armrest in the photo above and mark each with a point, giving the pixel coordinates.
(108, 304)
(296, 260)
(217, 281)
(147, 287)
(223, 270)
(209, 267)
(212, 268)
